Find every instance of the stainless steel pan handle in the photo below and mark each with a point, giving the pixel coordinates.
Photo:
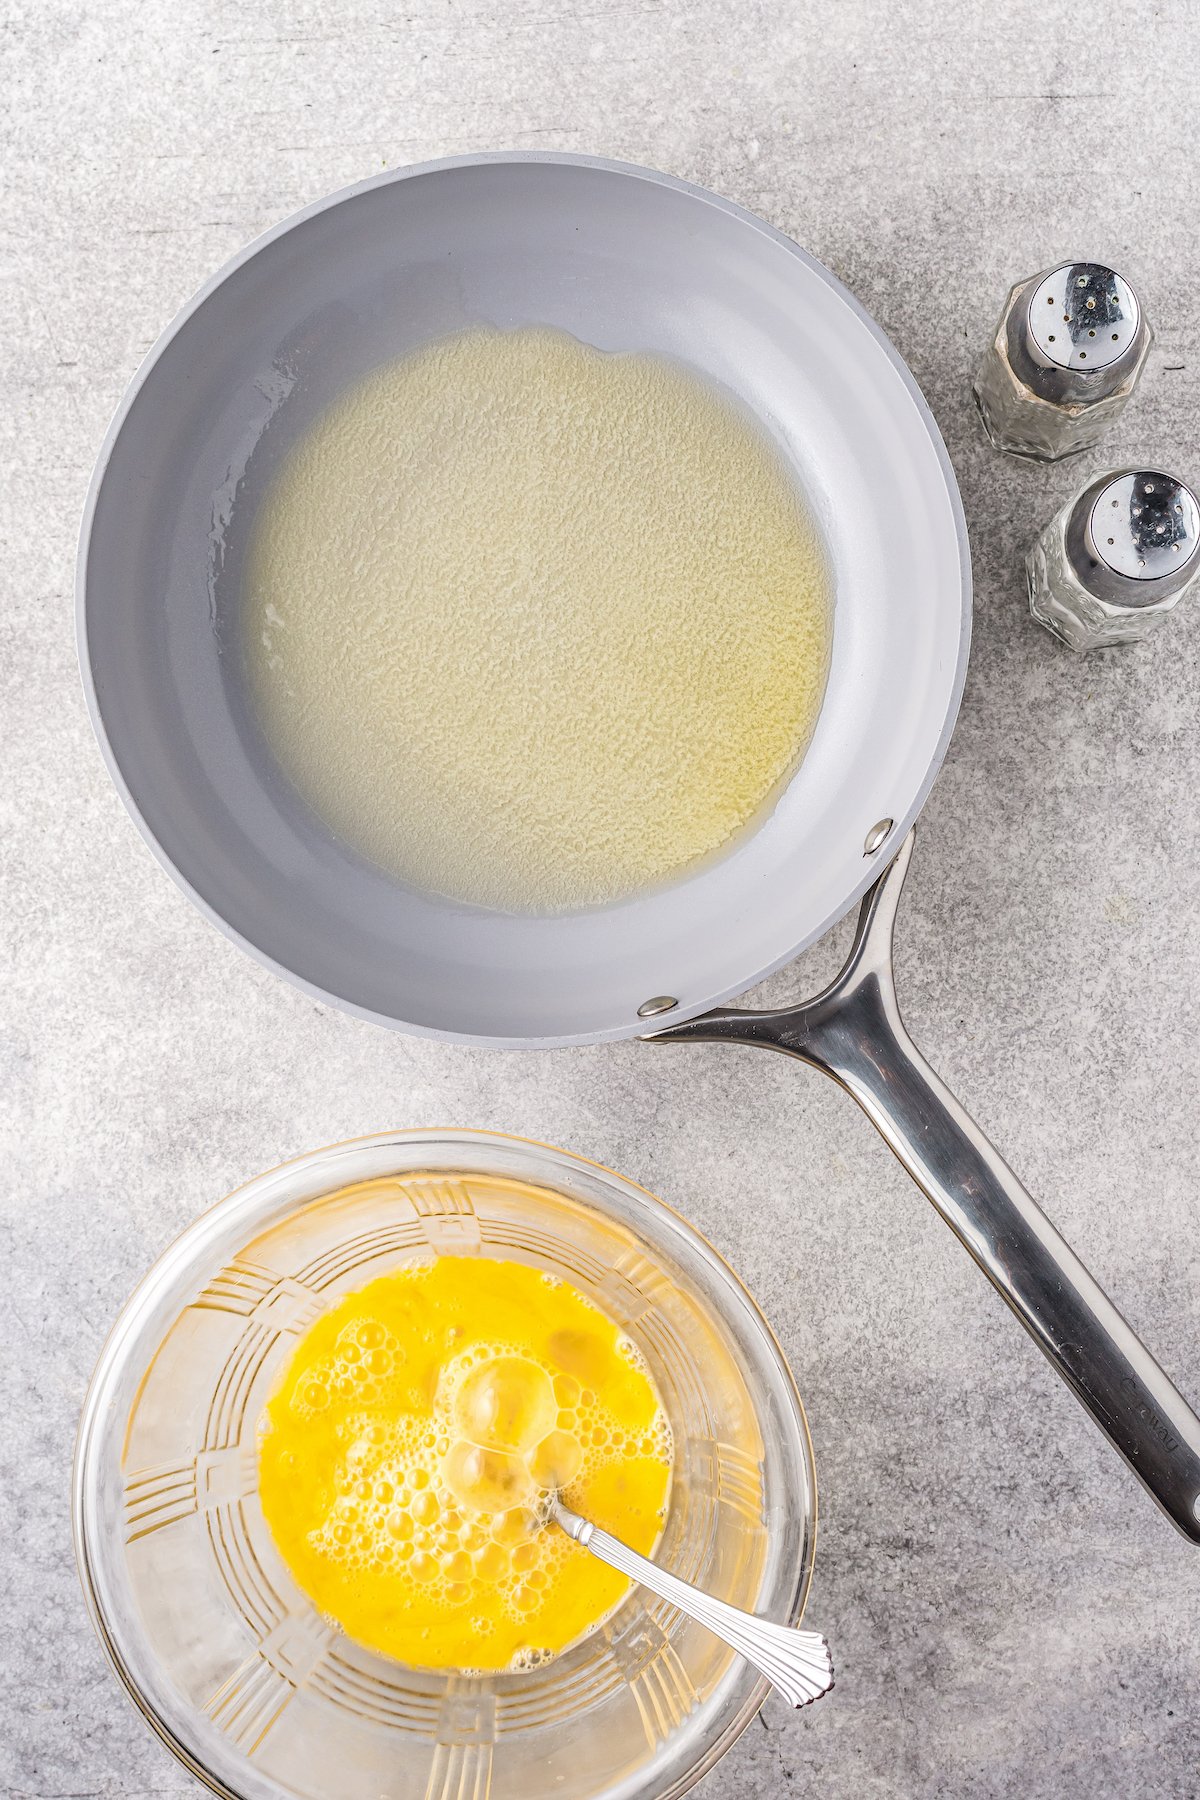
(854, 1032)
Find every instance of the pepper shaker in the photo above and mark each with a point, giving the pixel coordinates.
(1064, 360)
(1115, 560)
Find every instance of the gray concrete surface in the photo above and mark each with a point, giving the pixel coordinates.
(1011, 1614)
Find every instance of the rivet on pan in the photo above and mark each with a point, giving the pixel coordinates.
(877, 836)
(661, 1003)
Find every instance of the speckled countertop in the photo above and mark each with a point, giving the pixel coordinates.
(1012, 1616)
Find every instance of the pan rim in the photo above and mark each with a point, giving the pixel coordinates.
(871, 863)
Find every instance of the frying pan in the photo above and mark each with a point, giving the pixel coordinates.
(624, 259)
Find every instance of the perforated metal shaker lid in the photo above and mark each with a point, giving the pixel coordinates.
(1080, 329)
(1133, 537)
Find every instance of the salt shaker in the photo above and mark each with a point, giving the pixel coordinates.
(1115, 560)
(1065, 358)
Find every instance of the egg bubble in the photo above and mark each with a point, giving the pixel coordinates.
(491, 1562)
(506, 1403)
(486, 1480)
(515, 1526)
(557, 1460)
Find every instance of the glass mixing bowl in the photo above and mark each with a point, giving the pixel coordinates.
(257, 1693)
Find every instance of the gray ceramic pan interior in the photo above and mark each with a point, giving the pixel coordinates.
(625, 260)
